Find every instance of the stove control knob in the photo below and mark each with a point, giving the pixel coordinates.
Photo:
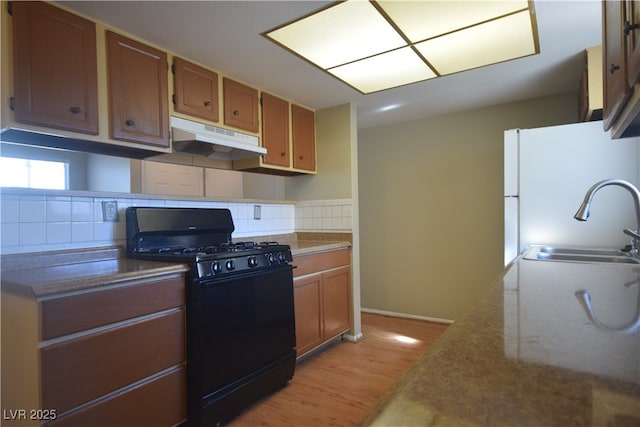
(271, 258)
(280, 257)
(252, 261)
(215, 267)
(230, 265)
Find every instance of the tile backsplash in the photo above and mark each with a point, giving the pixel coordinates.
(34, 221)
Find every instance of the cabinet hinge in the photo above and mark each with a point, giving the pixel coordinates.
(173, 68)
(173, 98)
(12, 103)
(10, 8)
(261, 101)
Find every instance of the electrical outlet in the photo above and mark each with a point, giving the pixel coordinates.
(110, 210)
(257, 211)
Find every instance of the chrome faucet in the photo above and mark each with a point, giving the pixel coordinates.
(583, 212)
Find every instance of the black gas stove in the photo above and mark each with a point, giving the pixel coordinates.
(201, 237)
(240, 311)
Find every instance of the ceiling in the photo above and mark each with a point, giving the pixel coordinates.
(225, 36)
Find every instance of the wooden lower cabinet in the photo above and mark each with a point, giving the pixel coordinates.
(322, 289)
(114, 355)
(156, 402)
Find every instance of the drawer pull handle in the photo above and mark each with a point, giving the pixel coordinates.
(613, 68)
(207, 103)
(75, 109)
(130, 123)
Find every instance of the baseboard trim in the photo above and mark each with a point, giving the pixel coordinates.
(352, 338)
(407, 316)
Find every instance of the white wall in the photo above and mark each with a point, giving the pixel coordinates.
(431, 206)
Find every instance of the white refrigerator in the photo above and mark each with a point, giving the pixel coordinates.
(547, 172)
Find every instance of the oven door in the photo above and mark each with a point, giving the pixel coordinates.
(242, 334)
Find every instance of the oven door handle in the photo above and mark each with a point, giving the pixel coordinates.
(220, 280)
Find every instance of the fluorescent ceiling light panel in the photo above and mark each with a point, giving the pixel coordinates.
(489, 43)
(391, 69)
(422, 20)
(378, 45)
(347, 32)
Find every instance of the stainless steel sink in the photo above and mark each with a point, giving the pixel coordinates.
(568, 254)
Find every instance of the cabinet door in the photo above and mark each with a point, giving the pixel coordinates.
(196, 90)
(55, 68)
(632, 32)
(304, 138)
(335, 301)
(171, 179)
(137, 92)
(616, 87)
(240, 106)
(308, 310)
(275, 130)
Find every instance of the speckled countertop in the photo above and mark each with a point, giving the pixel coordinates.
(531, 354)
(73, 270)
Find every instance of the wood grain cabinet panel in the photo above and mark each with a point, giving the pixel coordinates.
(621, 67)
(322, 289)
(138, 91)
(275, 130)
(304, 138)
(159, 402)
(336, 299)
(75, 313)
(55, 68)
(616, 87)
(307, 294)
(307, 264)
(195, 90)
(82, 369)
(240, 105)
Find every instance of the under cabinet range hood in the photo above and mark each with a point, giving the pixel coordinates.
(205, 140)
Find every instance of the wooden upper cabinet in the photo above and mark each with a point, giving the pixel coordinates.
(195, 90)
(138, 92)
(275, 130)
(304, 138)
(55, 68)
(240, 105)
(616, 87)
(631, 30)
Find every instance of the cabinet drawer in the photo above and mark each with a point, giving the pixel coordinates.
(159, 402)
(85, 368)
(69, 314)
(311, 263)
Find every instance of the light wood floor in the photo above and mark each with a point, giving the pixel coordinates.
(341, 385)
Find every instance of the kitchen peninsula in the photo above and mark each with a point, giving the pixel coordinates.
(530, 354)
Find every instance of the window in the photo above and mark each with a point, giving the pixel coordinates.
(27, 173)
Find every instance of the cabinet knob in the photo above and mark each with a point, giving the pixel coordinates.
(283, 153)
(628, 27)
(613, 68)
(130, 122)
(236, 112)
(75, 109)
(207, 103)
(301, 157)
